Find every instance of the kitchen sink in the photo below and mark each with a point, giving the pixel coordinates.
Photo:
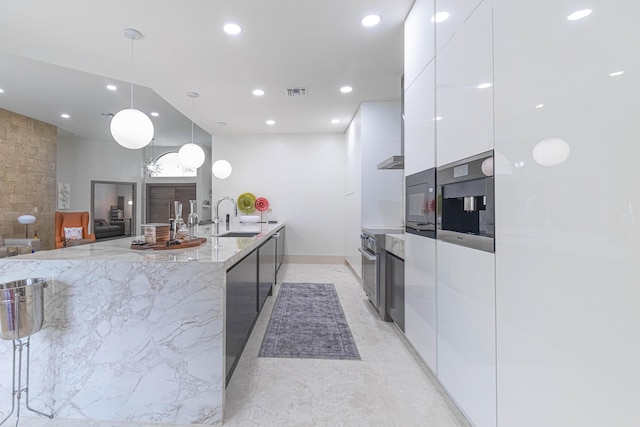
(239, 234)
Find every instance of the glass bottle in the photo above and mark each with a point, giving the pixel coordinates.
(182, 233)
(193, 220)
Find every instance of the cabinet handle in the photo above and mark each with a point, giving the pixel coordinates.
(367, 255)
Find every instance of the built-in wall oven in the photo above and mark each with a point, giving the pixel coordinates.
(420, 203)
(373, 262)
(465, 202)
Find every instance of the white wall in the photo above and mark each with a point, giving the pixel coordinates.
(302, 177)
(80, 161)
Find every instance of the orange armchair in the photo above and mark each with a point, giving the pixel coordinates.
(73, 219)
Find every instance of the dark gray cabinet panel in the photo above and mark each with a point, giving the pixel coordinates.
(241, 308)
(280, 248)
(395, 288)
(267, 270)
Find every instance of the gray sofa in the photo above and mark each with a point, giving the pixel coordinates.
(102, 228)
(10, 247)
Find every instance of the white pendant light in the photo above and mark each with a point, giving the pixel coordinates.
(221, 169)
(191, 156)
(132, 128)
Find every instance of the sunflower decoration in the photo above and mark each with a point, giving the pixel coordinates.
(246, 203)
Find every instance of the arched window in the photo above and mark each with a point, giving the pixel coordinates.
(169, 166)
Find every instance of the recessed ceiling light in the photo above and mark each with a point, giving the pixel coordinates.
(270, 122)
(1, 90)
(258, 92)
(65, 115)
(346, 89)
(154, 114)
(617, 73)
(232, 29)
(437, 118)
(440, 17)
(484, 85)
(335, 121)
(539, 105)
(579, 14)
(371, 20)
(112, 87)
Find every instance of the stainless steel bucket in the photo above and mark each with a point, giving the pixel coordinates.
(21, 308)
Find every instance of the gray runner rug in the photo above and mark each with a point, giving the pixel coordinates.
(308, 322)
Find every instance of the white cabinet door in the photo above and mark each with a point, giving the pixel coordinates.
(467, 330)
(451, 15)
(464, 78)
(418, 40)
(420, 296)
(352, 231)
(419, 123)
(568, 294)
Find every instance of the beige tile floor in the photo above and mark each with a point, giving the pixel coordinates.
(388, 387)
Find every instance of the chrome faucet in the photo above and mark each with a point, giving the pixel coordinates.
(216, 221)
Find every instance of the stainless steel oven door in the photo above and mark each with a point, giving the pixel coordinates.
(370, 275)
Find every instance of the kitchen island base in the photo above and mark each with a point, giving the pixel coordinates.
(130, 336)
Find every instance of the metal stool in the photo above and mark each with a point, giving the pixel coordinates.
(21, 315)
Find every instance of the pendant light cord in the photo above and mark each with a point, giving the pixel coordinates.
(132, 73)
(192, 101)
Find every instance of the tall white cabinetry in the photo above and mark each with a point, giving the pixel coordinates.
(373, 197)
(544, 332)
(466, 330)
(466, 277)
(464, 85)
(568, 294)
(419, 153)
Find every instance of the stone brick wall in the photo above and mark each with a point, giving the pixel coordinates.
(27, 176)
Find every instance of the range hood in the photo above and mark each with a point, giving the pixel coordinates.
(393, 162)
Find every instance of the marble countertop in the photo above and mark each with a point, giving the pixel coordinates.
(227, 250)
(394, 243)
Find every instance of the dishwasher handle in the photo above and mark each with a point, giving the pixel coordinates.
(370, 256)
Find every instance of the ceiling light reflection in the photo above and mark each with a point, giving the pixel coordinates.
(232, 29)
(484, 85)
(270, 122)
(551, 152)
(346, 89)
(371, 20)
(539, 105)
(440, 17)
(579, 14)
(258, 92)
(335, 121)
(65, 115)
(112, 87)
(616, 73)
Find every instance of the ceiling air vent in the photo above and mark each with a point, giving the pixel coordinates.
(297, 91)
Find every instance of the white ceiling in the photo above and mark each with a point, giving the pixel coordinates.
(58, 56)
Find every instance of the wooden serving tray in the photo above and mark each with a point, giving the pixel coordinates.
(162, 246)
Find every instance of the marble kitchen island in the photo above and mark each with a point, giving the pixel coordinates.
(129, 335)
